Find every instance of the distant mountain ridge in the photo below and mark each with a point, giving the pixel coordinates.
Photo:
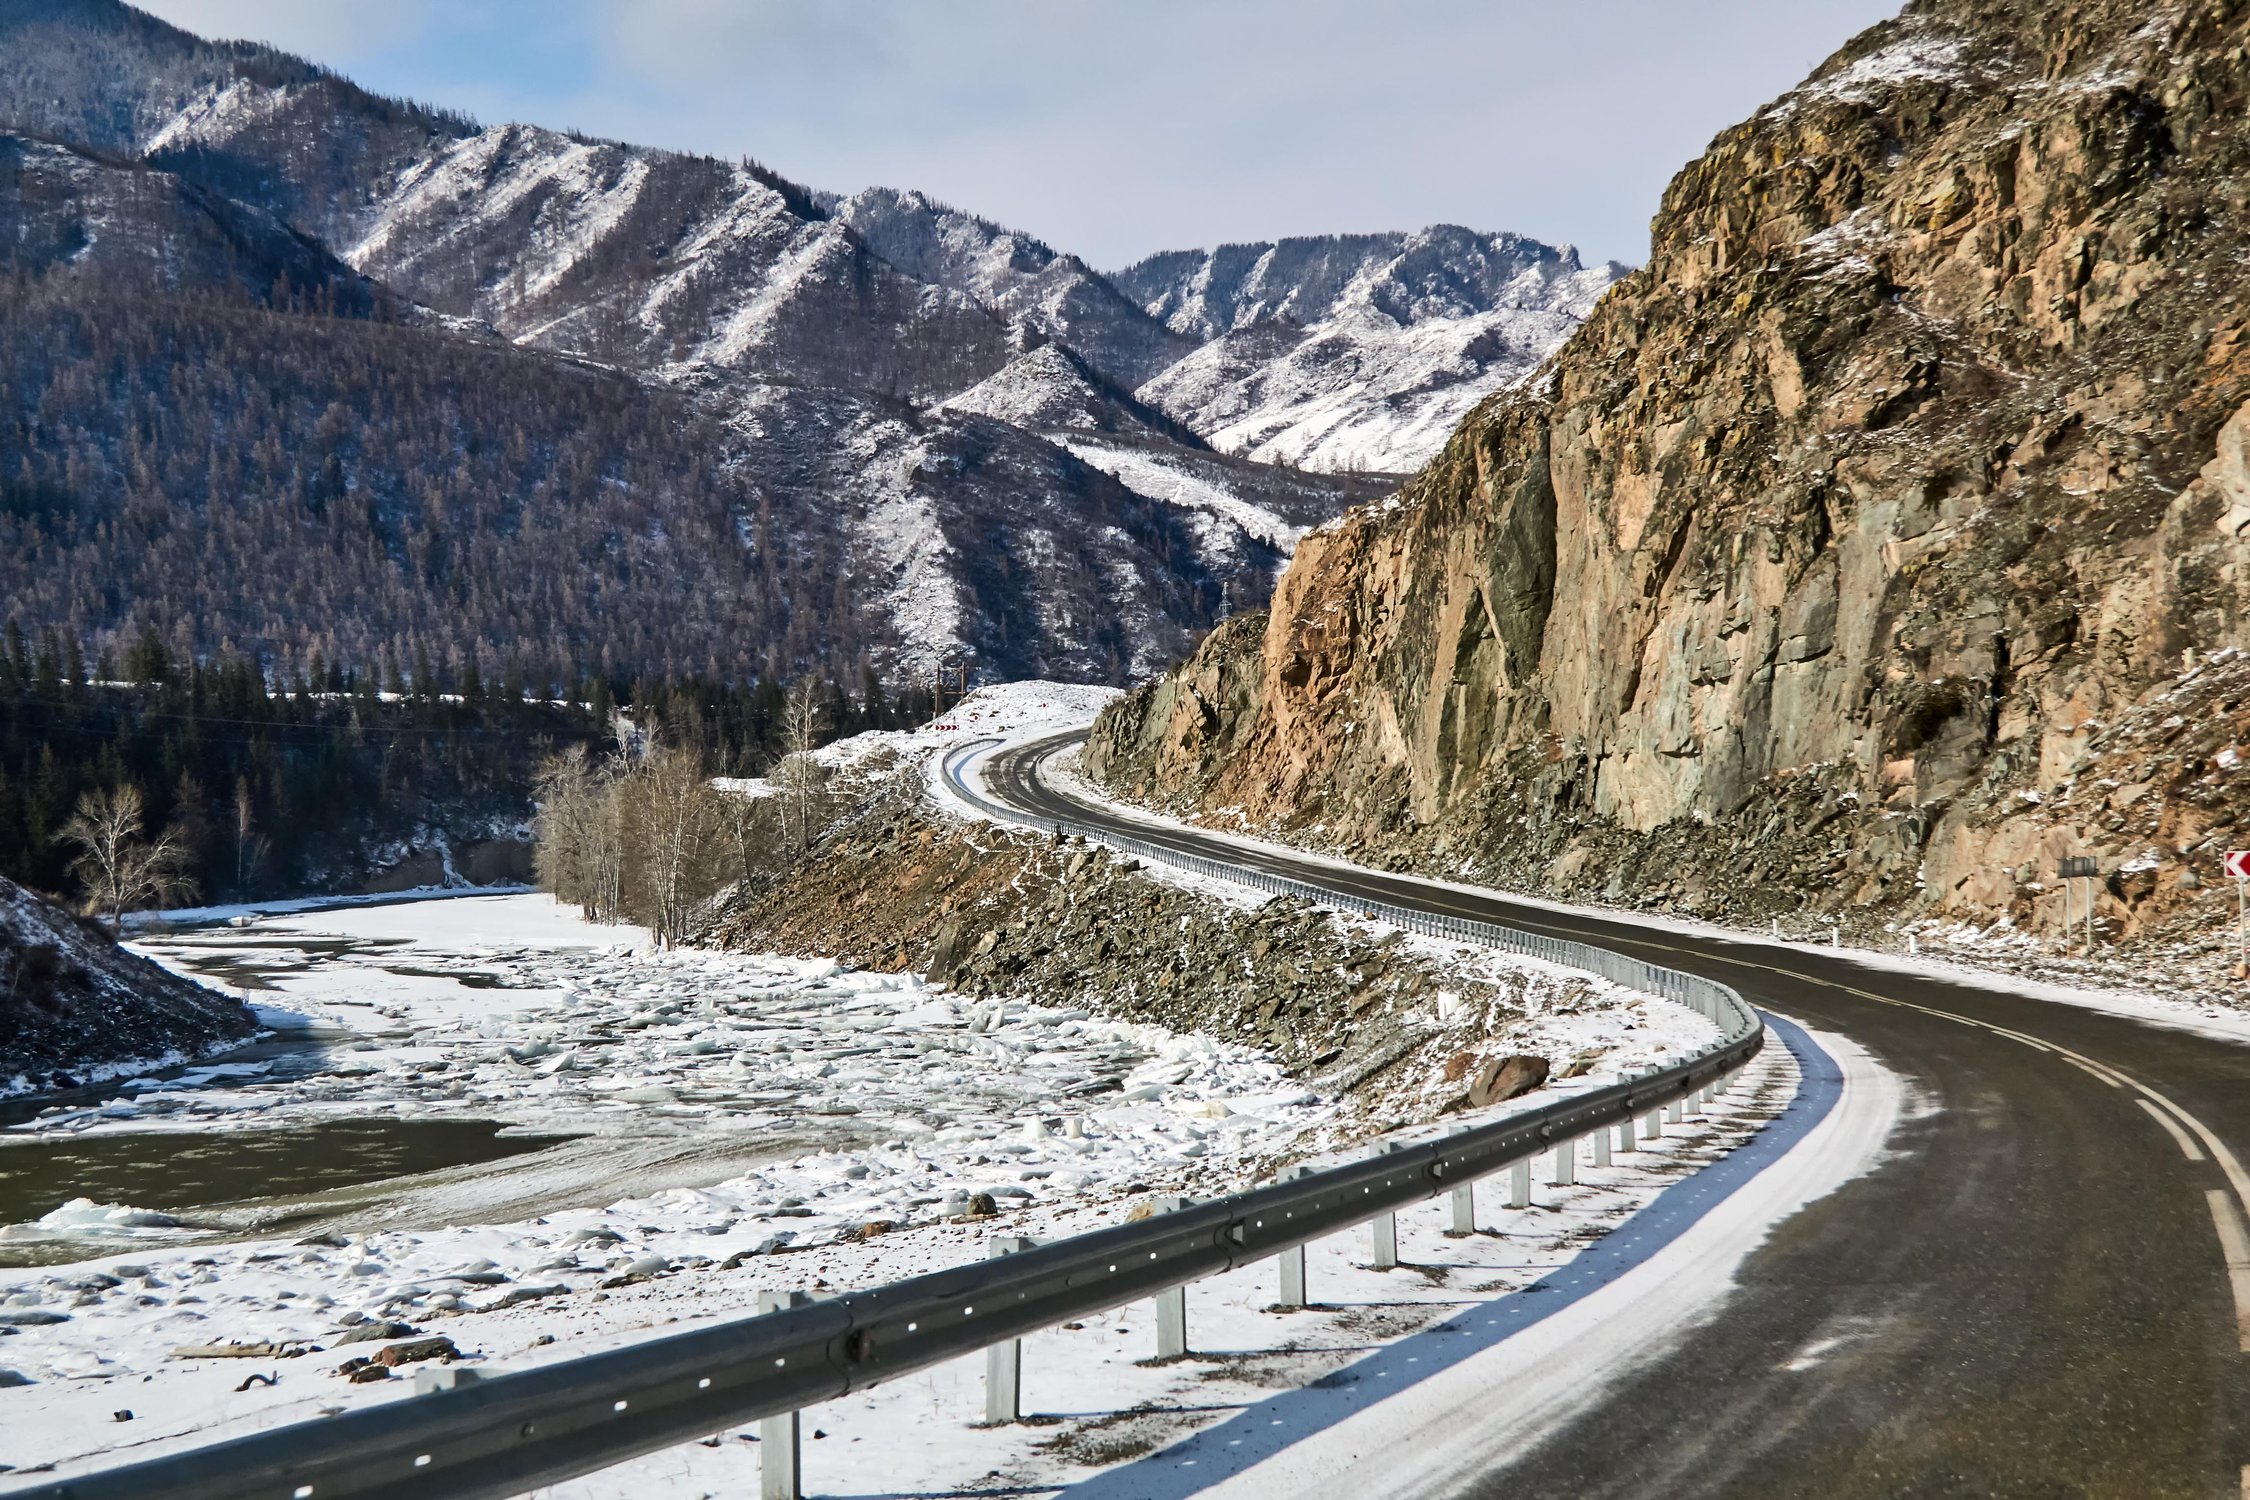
(1356, 351)
(1018, 443)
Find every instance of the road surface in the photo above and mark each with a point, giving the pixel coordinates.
(2043, 1292)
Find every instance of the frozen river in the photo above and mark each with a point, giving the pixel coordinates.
(492, 1059)
(485, 1119)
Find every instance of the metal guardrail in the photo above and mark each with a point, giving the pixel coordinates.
(507, 1433)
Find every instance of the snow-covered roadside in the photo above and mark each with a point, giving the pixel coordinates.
(942, 1122)
(1507, 1391)
(1100, 1402)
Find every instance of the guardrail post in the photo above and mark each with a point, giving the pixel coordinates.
(779, 1453)
(1385, 1226)
(1171, 1304)
(1566, 1163)
(1675, 1112)
(1601, 1139)
(1652, 1125)
(1464, 1198)
(1293, 1258)
(1519, 1184)
(1003, 1363)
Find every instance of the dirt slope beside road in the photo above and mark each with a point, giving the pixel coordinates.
(73, 1002)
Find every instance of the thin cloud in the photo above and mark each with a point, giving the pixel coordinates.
(1114, 129)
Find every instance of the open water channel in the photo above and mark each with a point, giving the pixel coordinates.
(323, 1126)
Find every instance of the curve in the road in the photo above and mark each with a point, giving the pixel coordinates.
(2044, 1291)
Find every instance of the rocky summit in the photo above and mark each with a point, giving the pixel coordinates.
(1822, 565)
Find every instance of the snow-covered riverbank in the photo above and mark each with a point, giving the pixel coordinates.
(815, 1127)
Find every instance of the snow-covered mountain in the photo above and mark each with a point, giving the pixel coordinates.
(1052, 295)
(1356, 351)
(1019, 464)
(1051, 388)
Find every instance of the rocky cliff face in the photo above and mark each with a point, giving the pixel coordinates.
(1812, 566)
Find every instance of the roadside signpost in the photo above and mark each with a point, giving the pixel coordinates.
(2080, 867)
(2238, 865)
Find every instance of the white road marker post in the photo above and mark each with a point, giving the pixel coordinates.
(780, 1468)
(2080, 867)
(1464, 1198)
(2238, 865)
(1171, 1305)
(1003, 1362)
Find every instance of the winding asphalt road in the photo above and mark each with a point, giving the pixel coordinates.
(2043, 1292)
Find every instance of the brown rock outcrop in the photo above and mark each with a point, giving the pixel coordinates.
(1919, 451)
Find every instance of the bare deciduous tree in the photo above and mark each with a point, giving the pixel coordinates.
(800, 779)
(676, 821)
(249, 845)
(578, 835)
(643, 835)
(119, 867)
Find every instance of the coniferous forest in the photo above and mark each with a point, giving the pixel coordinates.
(309, 783)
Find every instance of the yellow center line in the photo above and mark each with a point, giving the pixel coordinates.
(2188, 1147)
(2236, 1246)
(2098, 1073)
(2228, 1163)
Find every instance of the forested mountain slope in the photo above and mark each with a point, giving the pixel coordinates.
(492, 393)
(299, 371)
(1880, 543)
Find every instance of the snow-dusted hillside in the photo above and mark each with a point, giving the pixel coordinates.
(1356, 351)
(973, 536)
(72, 213)
(1050, 388)
(1039, 291)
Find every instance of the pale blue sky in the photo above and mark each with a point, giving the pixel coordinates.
(1114, 128)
